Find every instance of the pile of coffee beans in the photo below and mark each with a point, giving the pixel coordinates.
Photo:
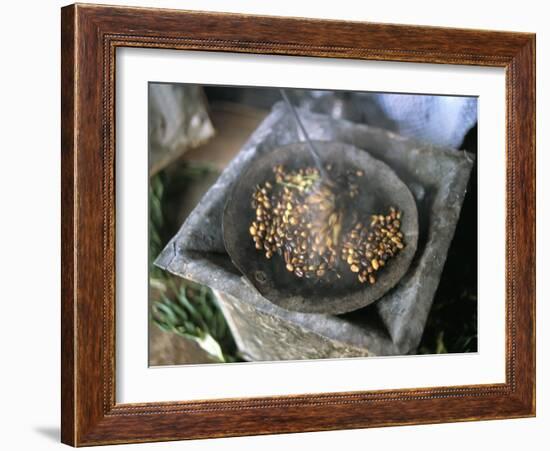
(367, 249)
(297, 218)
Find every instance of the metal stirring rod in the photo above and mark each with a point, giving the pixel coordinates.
(311, 147)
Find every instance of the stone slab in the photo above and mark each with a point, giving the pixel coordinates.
(436, 176)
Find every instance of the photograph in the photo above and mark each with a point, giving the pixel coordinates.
(294, 224)
(283, 224)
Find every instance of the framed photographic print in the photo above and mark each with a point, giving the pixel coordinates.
(279, 225)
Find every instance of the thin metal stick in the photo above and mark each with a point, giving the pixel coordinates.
(311, 147)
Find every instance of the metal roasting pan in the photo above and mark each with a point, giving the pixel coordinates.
(379, 189)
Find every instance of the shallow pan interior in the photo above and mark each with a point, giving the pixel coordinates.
(380, 188)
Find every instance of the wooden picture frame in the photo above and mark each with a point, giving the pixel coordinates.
(90, 36)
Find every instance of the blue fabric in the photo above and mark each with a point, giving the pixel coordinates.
(439, 120)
